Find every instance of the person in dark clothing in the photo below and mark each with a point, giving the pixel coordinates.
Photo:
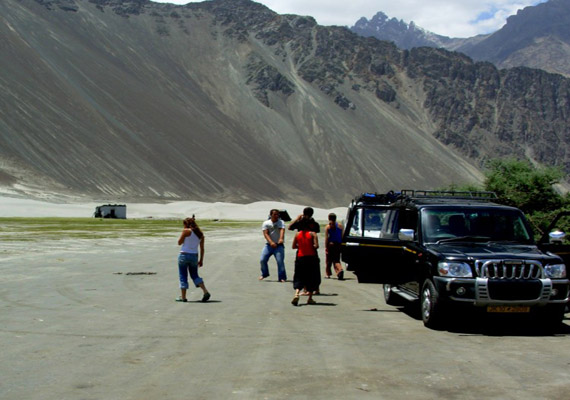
(307, 269)
(313, 226)
(307, 215)
(333, 241)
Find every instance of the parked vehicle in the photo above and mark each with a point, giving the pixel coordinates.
(554, 238)
(111, 211)
(446, 250)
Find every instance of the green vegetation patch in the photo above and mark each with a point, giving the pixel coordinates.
(32, 229)
(520, 184)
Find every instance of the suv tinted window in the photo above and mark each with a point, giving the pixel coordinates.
(367, 222)
(373, 221)
(389, 229)
(355, 224)
(408, 220)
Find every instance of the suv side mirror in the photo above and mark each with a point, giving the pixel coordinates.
(556, 236)
(406, 235)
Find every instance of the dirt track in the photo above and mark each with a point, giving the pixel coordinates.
(75, 325)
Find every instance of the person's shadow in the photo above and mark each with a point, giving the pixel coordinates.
(318, 303)
(204, 302)
(321, 303)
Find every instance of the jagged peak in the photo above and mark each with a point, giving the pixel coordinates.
(379, 16)
(381, 19)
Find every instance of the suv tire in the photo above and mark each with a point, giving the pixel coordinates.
(430, 306)
(391, 298)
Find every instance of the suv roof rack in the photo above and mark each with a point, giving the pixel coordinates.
(377, 198)
(449, 194)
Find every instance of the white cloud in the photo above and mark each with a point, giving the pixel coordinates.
(454, 18)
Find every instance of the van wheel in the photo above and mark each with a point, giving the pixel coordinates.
(431, 307)
(391, 298)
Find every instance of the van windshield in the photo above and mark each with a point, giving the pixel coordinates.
(456, 224)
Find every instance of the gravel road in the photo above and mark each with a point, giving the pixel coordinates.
(99, 321)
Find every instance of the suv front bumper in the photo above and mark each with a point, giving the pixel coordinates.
(484, 291)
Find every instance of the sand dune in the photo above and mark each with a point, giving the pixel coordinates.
(20, 207)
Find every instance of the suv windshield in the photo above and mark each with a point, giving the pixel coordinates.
(455, 224)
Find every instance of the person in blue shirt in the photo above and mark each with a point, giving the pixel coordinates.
(333, 240)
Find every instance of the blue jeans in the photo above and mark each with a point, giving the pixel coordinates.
(279, 253)
(188, 263)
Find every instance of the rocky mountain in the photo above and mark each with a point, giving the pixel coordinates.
(407, 35)
(225, 100)
(536, 37)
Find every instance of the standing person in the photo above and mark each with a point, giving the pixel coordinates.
(333, 240)
(307, 220)
(307, 270)
(188, 262)
(308, 216)
(274, 233)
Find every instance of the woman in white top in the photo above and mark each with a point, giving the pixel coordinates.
(188, 262)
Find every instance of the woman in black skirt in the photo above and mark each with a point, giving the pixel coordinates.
(307, 265)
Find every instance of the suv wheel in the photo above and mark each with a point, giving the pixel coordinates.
(431, 307)
(391, 298)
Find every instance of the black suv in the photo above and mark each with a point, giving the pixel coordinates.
(450, 249)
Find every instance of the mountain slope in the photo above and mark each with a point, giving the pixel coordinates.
(228, 101)
(536, 37)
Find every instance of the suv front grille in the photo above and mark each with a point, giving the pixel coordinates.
(508, 269)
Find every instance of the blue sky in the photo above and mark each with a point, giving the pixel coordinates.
(454, 18)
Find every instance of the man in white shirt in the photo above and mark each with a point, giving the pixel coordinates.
(274, 233)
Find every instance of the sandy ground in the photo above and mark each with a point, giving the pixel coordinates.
(19, 207)
(96, 319)
(74, 324)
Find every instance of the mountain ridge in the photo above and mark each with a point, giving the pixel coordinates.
(408, 35)
(536, 37)
(229, 101)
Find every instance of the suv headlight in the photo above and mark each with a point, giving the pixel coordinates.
(454, 269)
(555, 271)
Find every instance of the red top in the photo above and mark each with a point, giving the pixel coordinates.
(305, 244)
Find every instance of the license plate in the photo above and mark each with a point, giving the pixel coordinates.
(508, 309)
